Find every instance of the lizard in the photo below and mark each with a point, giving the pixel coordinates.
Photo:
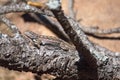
(45, 40)
(39, 40)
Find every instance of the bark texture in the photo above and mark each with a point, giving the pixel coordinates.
(88, 61)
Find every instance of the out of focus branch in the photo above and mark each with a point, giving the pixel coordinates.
(97, 31)
(72, 14)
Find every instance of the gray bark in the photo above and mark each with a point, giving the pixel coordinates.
(87, 61)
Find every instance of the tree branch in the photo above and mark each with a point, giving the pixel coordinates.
(20, 53)
(22, 7)
(52, 25)
(79, 39)
(97, 31)
(72, 14)
(10, 25)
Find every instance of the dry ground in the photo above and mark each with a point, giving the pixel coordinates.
(102, 13)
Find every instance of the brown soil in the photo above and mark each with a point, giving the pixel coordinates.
(102, 13)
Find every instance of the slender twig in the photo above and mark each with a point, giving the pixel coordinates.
(10, 25)
(71, 9)
(92, 31)
(21, 7)
(97, 31)
(52, 25)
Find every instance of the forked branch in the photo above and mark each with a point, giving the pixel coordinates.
(90, 62)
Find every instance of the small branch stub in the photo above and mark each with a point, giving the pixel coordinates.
(54, 4)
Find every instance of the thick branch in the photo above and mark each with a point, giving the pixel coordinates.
(79, 39)
(20, 54)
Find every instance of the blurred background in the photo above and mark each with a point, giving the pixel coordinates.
(102, 13)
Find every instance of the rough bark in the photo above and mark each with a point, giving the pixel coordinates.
(87, 62)
(19, 54)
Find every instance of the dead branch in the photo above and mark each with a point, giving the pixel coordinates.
(92, 61)
(90, 30)
(81, 42)
(97, 31)
(10, 25)
(57, 28)
(21, 7)
(18, 54)
(72, 14)
(51, 24)
(92, 55)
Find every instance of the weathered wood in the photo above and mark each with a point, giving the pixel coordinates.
(21, 53)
